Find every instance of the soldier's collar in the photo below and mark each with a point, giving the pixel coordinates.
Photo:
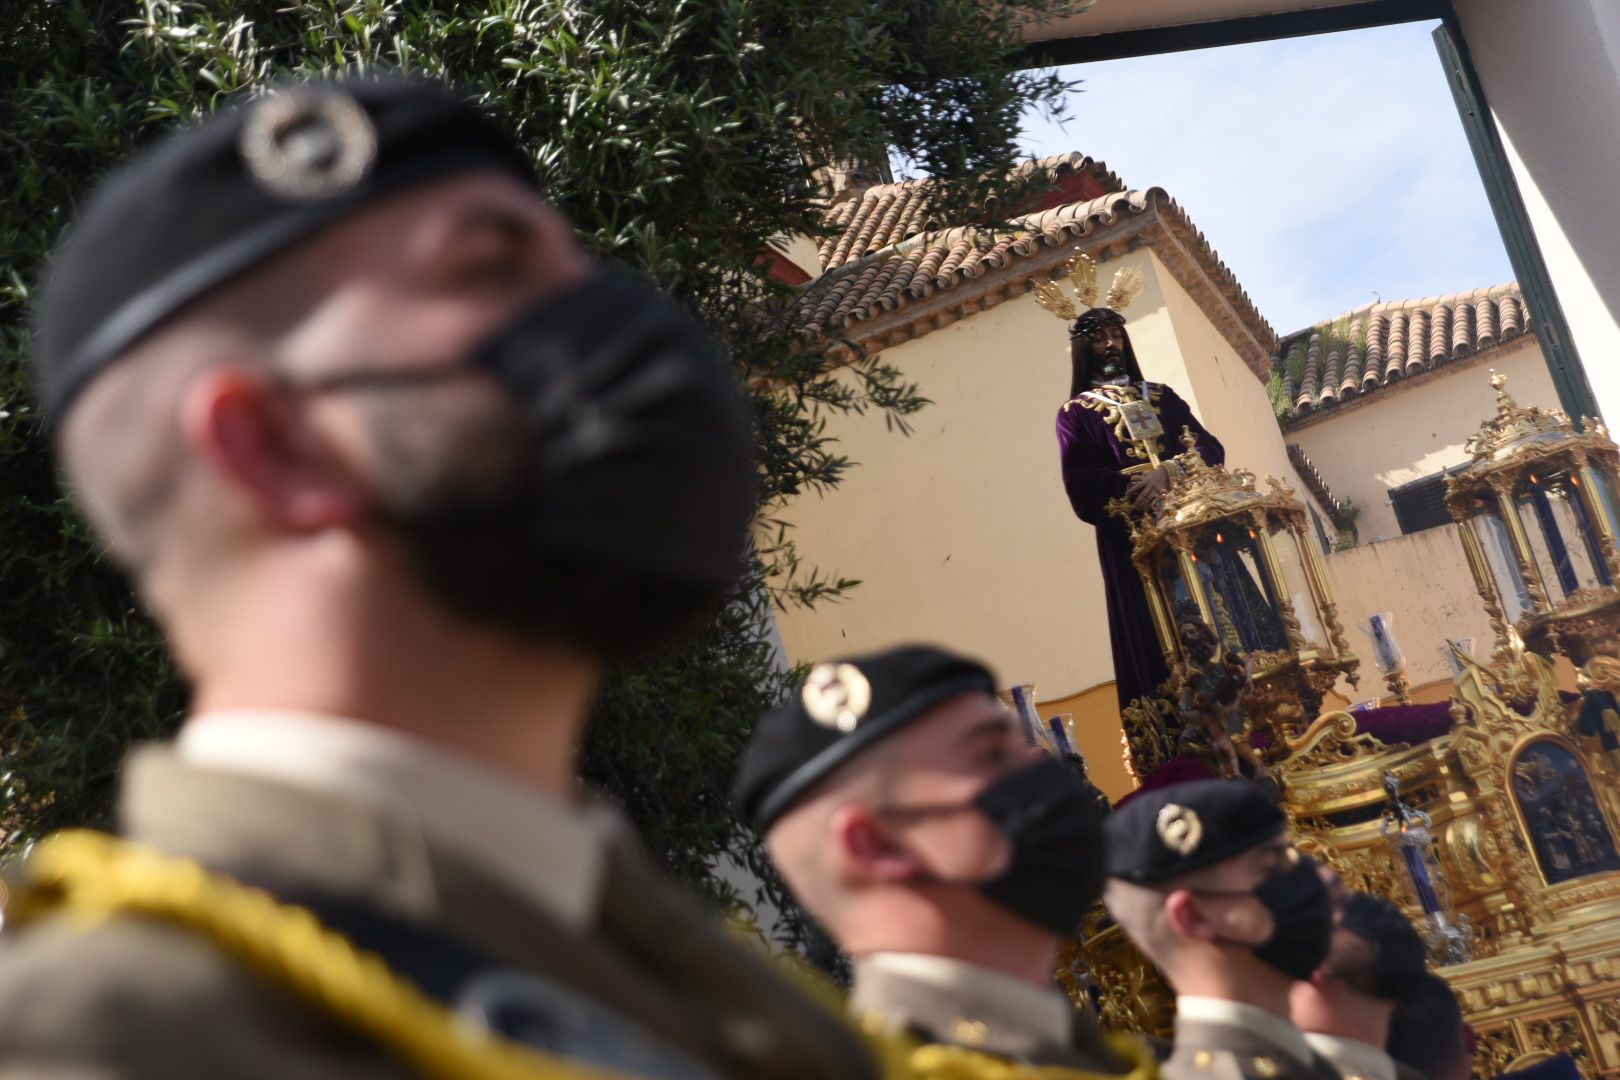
(961, 1002)
(1279, 1032)
(1354, 1058)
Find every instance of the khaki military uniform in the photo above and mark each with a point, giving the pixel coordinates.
(1225, 1040)
(1357, 1060)
(938, 999)
(603, 960)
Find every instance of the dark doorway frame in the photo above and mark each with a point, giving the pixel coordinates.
(1501, 188)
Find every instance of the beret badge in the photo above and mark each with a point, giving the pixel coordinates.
(836, 696)
(308, 143)
(1179, 828)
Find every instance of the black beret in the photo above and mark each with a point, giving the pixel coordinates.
(1399, 952)
(1162, 834)
(220, 197)
(844, 707)
(1426, 1028)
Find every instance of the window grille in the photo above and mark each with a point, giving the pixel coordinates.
(1421, 504)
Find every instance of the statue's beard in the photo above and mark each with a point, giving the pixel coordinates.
(1112, 371)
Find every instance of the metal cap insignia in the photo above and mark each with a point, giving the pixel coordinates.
(308, 143)
(1180, 829)
(836, 696)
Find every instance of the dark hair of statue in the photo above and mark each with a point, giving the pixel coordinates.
(1082, 357)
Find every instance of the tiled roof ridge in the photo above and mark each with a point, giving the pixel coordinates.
(1317, 484)
(1383, 307)
(1378, 344)
(885, 214)
(923, 275)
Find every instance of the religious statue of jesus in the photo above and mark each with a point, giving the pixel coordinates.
(1108, 431)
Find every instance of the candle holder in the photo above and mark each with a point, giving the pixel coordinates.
(1388, 658)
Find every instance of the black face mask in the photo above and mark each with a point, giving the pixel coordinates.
(1301, 920)
(1052, 819)
(624, 522)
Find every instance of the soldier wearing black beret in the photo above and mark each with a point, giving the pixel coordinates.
(400, 469)
(1344, 1008)
(1204, 880)
(947, 857)
(1428, 1036)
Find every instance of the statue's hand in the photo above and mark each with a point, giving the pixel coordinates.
(1148, 489)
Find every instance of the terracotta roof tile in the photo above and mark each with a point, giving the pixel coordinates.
(1376, 346)
(926, 281)
(914, 270)
(887, 214)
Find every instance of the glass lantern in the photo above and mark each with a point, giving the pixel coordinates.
(1536, 510)
(1242, 562)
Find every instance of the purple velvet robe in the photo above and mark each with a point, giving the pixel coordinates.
(1093, 460)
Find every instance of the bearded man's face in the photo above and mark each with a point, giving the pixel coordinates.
(1103, 350)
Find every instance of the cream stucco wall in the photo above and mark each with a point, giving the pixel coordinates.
(1404, 433)
(801, 251)
(1226, 395)
(1423, 581)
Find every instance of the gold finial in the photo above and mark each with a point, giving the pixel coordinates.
(1188, 439)
(1081, 270)
(1504, 400)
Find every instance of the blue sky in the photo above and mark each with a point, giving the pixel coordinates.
(1326, 171)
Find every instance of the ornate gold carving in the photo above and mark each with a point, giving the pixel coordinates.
(1561, 1035)
(1493, 1049)
(1600, 673)
(1494, 699)
(1584, 626)
(1606, 1016)
(1399, 686)
(1131, 996)
(1331, 740)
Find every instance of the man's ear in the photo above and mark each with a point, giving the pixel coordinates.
(1181, 911)
(251, 433)
(868, 847)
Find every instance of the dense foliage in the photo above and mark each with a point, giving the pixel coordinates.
(683, 137)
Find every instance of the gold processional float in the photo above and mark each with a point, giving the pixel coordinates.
(1491, 818)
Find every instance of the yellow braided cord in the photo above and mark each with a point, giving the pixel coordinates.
(938, 1061)
(91, 876)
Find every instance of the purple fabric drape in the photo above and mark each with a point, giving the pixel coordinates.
(1093, 460)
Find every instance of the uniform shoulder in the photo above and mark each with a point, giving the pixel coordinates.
(1214, 1063)
(138, 998)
